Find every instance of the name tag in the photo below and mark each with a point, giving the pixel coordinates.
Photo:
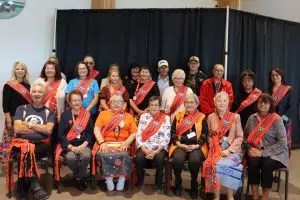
(85, 96)
(191, 135)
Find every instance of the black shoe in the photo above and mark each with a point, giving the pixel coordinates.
(59, 187)
(81, 185)
(177, 191)
(40, 194)
(157, 189)
(193, 194)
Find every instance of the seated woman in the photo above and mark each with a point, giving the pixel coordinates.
(115, 87)
(152, 141)
(75, 140)
(173, 97)
(115, 132)
(267, 146)
(223, 164)
(189, 136)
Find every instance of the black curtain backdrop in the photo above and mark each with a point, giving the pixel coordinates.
(144, 36)
(148, 35)
(261, 43)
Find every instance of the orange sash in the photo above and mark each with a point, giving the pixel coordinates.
(118, 91)
(143, 91)
(179, 99)
(114, 122)
(18, 87)
(261, 129)
(280, 93)
(188, 122)
(51, 90)
(84, 85)
(26, 151)
(252, 97)
(153, 126)
(215, 152)
(93, 73)
(77, 128)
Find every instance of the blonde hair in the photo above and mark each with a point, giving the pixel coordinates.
(118, 72)
(13, 76)
(220, 94)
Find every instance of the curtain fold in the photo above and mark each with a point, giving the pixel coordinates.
(144, 36)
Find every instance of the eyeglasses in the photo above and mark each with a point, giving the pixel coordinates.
(89, 63)
(153, 105)
(76, 100)
(163, 67)
(176, 78)
(117, 102)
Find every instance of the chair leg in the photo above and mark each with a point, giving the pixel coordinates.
(10, 164)
(247, 190)
(93, 186)
(286, 185)
(278, 184)
(167, 177)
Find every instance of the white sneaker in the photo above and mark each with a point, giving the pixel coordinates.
(121, 183)
(110, 184)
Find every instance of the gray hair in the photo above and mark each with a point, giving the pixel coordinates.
(116, 98)
(221, 94)
(38, 85)
(178, 73)
(194, 96)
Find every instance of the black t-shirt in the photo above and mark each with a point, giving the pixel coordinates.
(34, 115)
(249, 110)
(153, 92)
(66, 123)
(11, 99)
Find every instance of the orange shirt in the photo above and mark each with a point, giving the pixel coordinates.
(127, 128)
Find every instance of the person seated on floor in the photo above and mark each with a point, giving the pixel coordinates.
(266, 146)
(75, 140)
(223, 168)
(33, 126)
(189, 137)
(152, 141)
(114, 131)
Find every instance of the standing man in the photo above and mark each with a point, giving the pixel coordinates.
(163, 80)
(212, 86)
(194, 76)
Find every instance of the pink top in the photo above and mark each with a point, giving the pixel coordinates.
(235, 136)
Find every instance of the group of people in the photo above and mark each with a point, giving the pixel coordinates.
(111, 123)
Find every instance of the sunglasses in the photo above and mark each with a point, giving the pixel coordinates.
(89, 63)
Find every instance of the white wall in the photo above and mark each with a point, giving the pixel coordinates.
(165, 3)
(28, 37)
(283, 9)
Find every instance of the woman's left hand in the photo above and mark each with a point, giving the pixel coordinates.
(254, 152)
(123, 146)
(225, 153)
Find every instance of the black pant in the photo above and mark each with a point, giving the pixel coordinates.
(159, 159)
(25, 184)
(179, 156)
(260, 170)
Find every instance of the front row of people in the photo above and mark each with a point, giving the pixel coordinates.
(216, 142)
